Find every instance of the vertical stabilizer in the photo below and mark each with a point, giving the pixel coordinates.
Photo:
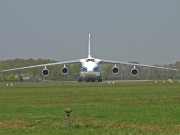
(89, 51)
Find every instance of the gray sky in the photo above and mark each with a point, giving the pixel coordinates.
(147, 31)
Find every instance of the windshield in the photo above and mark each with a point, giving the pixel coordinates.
(90, 60)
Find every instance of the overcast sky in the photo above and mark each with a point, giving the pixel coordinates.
(147, 31)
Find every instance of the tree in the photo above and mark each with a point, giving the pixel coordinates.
(11, 78)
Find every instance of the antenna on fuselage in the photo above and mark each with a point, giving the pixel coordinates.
(89, 51)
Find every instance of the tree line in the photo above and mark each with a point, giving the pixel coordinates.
(144, 73)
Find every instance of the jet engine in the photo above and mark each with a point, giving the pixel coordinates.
(115, 70)
(45, 72)
(64, 70)
(134, 71)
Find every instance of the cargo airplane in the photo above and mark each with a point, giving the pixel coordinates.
(90, 70)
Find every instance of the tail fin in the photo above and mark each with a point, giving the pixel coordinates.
(89, 51)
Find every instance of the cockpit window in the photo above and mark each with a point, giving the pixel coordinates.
(90, 60)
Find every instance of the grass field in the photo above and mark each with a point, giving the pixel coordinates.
(97, 108)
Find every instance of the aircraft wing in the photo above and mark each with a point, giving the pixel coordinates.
(134, 64)
(43, 65)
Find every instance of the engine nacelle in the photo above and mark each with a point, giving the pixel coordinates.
(45, 72)
(64, 70)
(134, 71)
(115, 70)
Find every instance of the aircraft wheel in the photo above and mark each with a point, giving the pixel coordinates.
(79, 80)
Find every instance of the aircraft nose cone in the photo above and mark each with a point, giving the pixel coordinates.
(90, 69)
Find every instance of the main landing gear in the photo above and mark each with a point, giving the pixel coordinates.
(99, 80)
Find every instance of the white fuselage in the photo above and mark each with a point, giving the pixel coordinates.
(90, 69)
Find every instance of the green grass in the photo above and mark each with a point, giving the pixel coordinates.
(98, 108)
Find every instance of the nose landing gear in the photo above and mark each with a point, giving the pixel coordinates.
(80, 80)
(90, 80)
